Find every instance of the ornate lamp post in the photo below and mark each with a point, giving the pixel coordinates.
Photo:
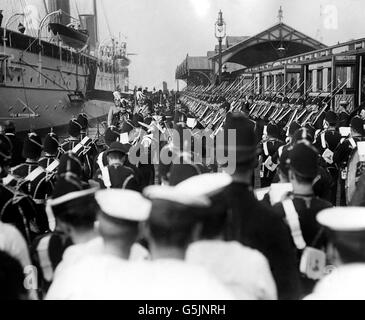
(220, 33)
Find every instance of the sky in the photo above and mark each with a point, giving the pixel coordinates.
(163, 32)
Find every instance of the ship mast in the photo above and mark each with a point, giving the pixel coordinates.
(96, 22)
(45, 6)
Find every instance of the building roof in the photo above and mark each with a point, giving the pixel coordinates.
(233, 40)
(263, 47)
(191, 64)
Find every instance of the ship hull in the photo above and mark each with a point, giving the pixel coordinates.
(42, 89)
(52, 108)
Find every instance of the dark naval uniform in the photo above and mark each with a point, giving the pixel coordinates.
(31, 179)
(46, 161)
(118, 176)
(258, 227)
(307, 207)
(345, 150)
(24, 169)
(300, 210)
(70, 143)
(250, 222)
(268, 168)
(47, 251)
(341, 157)
(20, 210)
(89, 157)
(15, 207)
(17, 144)
(326, 143)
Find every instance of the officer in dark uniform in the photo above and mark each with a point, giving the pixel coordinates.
(326, 143)
(84, 122)
(50, 149)
(345, 149)
(269, 146)
(74, 131)
(32, 150)
(117, 175)
(293, 128)
(311, 130)
(251, 223)
(111, 135)
(90, 156)
(17, 208)
(32, 179)
(302, 204)
(47, 250)
(323, 182)
(343, 119)
(17, 144)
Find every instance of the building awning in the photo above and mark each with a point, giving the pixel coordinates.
(264, 47)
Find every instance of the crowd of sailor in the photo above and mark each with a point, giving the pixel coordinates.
(81, 220)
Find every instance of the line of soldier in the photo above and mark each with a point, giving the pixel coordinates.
(34, 172)
(260, 227)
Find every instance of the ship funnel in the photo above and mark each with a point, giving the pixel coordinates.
(64, 5)
(88, 22)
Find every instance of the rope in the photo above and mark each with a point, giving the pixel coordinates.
(65, 89)
(106, 19)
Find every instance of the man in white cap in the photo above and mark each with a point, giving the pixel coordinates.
(176, 216)
(346, 229)
(94, 274)
(75, 213)
(244, 271)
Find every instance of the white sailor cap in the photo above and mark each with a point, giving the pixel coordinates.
(343, 219)
(172, 194)
(207, 184)
(123, 204)
(67, 202)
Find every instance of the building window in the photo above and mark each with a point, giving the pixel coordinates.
(345, 74)
(292, 80)
(309, 84)
(329, 80)
(319, 80)
(279, 81)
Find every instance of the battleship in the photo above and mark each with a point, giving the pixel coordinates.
(52, 65)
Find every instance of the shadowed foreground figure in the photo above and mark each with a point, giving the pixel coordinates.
(252, 224)
(11, 278)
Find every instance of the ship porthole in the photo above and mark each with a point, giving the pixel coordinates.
(19, 79)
